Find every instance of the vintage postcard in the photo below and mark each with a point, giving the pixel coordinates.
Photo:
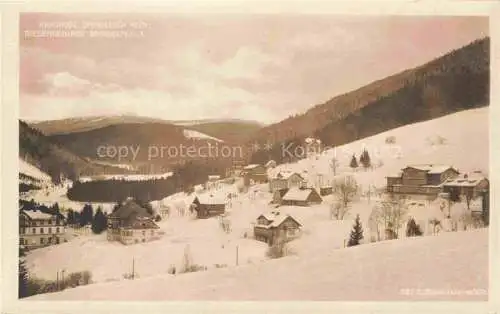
(232, 156)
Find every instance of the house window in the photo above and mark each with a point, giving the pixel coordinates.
(22, 230)
(33, 230)
(41, 230)
(21, 241)
(42, 241)
(50, 222)
(50, 230)
(144, 232)
(57, 230)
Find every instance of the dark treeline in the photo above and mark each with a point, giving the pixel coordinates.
(279, 152)
(183, 179)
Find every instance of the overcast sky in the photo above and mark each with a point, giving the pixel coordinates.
(244, 67)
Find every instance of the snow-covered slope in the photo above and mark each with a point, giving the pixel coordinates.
(32, 171)
(199, 136)
(321, 265)
(452, 266)
(460, 140)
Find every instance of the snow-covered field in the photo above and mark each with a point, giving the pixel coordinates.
(320, 269)
(127, 177)
(32, 171)
(459, 140)
(451, 266)
(57, 193)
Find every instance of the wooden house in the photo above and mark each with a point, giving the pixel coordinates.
(286, 180)
(278, 196)
(38, 229)
(301, 197)
(207, 206)
(420, 181)
(254, 173)
(470, 185)
(131, 223)
(275, 226)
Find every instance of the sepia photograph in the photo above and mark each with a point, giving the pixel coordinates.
(253, 157)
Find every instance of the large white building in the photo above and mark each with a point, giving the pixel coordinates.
(38, 229)
(131, 223)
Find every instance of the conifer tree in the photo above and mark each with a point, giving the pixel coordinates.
(412, 229)
(354, 162)
(99, 223)
(365, 159)
(86, 215)
(356, 233)
(70, 219)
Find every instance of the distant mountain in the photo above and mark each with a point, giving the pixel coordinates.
(148, 146)
(231, 130)
(456, 81)
(55, 160)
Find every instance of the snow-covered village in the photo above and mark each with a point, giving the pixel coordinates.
(380, 193)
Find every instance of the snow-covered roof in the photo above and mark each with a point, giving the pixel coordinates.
(466, 180)
(210, 199)
(431, 169)
(251, 166)
(276, 220)
(37, 215)
(285, 174)
(296, 194)
(270, 163)
(213, 177)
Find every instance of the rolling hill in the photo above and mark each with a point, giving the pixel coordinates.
(158, 144)
(40, 151)
(456, 81)
(229, 130)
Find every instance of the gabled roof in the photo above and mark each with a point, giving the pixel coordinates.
(432, 169)
(270, 163)
(281, 219)
(466, 180)
(269, 217)
(285, 175)
(37, 215)
(142, 223)
(296, 194)
(130, 209)
(210, 199)
(276, 219)
(282, 191)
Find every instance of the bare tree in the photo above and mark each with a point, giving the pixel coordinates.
(345, 190)
(334, 163)
(337, 211)
(391, 214)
